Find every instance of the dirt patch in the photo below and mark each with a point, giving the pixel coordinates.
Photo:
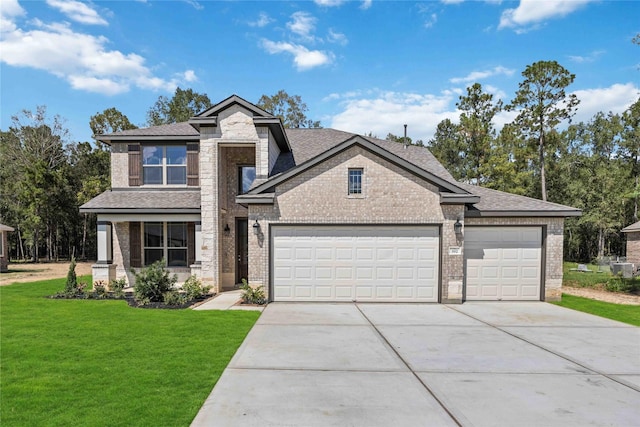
(30, 272)
(601, 295)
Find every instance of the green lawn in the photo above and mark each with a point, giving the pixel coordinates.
(99, 363)
(581, 279)
(623, 313)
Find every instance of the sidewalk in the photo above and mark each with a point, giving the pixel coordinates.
(227, 301)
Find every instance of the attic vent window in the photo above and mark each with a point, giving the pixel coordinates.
(355, 181)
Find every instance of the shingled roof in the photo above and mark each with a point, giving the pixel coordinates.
(145, 201)
(632, 228)
(178, 130)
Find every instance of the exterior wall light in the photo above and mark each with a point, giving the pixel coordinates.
(457, 227)
(227, 230)
(256, 227)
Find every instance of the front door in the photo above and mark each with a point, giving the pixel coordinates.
(242, 249)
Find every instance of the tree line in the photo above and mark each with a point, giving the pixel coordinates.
(594, 166)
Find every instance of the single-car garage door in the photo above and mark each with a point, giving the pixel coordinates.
(362, 263)
(503, 263)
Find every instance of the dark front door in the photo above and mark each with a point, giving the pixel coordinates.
(242, 249)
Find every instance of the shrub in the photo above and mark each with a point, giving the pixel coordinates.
(620, 284)
(194, 289)
(174, 298)
(117, 287)
(100, 289)
(251, 295)
(152, 283)
(71, 287)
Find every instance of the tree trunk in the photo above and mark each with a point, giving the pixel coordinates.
(600, 243)
(35, 246)
(543, 180)
(84, 237)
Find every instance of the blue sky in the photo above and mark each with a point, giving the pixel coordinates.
(361, 66)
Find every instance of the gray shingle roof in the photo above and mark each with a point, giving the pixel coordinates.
(145, 201)
(183, 129)
(495, 202)
(5, 228)
(632, 228)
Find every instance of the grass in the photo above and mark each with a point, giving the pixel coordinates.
(622, 313)
(99, 363)
(584, 280)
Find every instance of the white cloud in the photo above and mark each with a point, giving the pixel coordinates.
(532, 12)
(474, 76)
(303, 58)
(329, 3)
(262, 21)
(615, 98)
(302, 24)
(366, 4)
(335, 37)
(431, 21)
(588, 58)
(81, 59)
(189, 76)
(196, 5)
(383, 112)
(78, 11)
(10, 9)
(452, 1)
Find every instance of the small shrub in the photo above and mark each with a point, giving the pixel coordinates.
(152, 283)
(100, 289)
(117, 287)
(71, 285)
(174, 298)
(193, 288)
(620, 284)
(251, 295)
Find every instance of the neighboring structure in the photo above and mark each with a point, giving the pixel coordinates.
(4, 247)
(633, 243)
(317, 215)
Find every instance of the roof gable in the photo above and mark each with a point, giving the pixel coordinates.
(234, 100)
(446, 187)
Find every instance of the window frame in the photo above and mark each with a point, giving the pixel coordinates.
(240, 188)
(164, 165)
(165, 243)
(351, 189)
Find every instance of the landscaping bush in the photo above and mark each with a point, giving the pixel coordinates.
(620, 284)
(193, 288)
(152, 283)
(174, 298)
(117, 287)
(100, 289)
(251, 295)
(72, 288)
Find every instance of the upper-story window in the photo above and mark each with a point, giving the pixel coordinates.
(355, 181)
(164, 165)
(246, 176)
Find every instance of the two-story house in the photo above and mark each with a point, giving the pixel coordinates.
(317, 215)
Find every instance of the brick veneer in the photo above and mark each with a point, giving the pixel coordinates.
(633, 247)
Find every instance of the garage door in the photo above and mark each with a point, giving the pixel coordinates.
(339, 263)
(503, 263)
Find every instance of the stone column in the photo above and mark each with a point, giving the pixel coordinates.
(104, 270)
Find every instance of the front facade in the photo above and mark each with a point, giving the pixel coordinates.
(317, 215)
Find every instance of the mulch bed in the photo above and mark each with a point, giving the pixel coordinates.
(132, 302)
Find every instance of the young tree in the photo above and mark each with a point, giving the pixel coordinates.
(543, 103)
(109, 121)
(630, 148)
(289, 108)
(181, 107)
(448, 148)
(476, 129)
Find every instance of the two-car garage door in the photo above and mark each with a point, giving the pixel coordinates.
(361, 263)
(503, 263)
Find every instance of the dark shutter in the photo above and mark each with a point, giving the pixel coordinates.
(135, 245)
(191, 244)
(192, 165)
(135, 165)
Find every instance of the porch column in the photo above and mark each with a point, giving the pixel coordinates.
(105, 255)
(198, 242)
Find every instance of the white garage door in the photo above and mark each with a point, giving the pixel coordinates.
(362, 263)
(503, 263)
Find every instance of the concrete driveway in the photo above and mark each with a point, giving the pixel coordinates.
(480, 364)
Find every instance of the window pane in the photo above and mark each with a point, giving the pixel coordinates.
(152, 174)
(153, 235)
(177, 155)
(355, 181)
(177, 233)
(152, 255)
(152, 155)
(247, 176)
(177, 258)
(176, 175)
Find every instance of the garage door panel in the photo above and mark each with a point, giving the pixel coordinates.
(377, 263)
(509, 267)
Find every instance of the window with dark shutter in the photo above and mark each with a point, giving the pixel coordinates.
(135, 245)
(135, 165)
(192, 165)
